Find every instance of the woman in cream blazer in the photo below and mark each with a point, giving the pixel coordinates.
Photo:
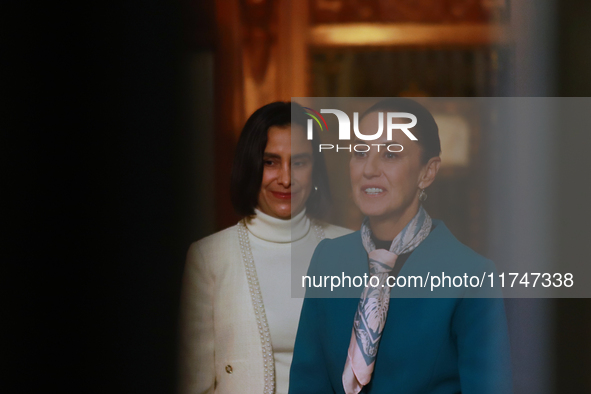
(239, 321)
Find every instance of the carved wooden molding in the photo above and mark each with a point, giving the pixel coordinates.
(258, 21)
(409, 11)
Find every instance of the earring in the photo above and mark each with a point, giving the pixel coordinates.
(315, 189)
(422, 195)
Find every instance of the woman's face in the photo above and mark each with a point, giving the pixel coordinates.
(385, 183)
(287, 172)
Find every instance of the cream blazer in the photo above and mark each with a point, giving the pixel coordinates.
(221, 349)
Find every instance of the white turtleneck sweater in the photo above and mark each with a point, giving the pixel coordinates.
(271, 242)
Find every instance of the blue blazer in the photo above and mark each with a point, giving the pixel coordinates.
(457, 344)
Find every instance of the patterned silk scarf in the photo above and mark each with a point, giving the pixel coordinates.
(372, 311)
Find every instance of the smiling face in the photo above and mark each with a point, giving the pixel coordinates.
(287, 172)
(386, 185)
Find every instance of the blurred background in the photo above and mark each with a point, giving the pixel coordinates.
(120, 127)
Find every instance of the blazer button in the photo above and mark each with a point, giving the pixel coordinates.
(229, 369)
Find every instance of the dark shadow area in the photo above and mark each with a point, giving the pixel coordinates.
(98, 199)
(573, 316)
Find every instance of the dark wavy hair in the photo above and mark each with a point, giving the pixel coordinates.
(247, 170)
(426, 130)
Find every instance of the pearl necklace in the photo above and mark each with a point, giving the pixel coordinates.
(257, 301)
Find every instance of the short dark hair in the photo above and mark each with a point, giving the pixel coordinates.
(247, 170)
(426, 130)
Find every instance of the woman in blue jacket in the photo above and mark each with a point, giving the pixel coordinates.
(389, 336)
